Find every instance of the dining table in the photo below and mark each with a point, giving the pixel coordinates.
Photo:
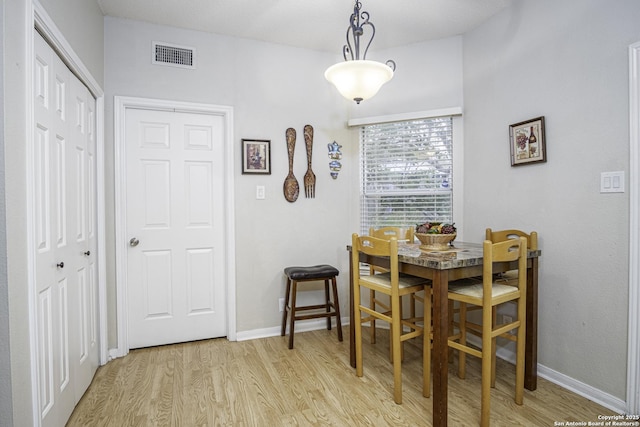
(461, 260)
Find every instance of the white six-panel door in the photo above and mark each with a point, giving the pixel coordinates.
(63, 176)
(175, 212)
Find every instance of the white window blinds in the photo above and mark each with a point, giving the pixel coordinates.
(406, 171)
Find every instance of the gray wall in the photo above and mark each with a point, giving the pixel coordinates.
(82, 26)
(567, 61)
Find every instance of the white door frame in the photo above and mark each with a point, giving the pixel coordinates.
(633, 357)
(38, 18)
(121, 104)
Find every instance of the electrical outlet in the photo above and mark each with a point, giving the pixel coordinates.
(281, 305)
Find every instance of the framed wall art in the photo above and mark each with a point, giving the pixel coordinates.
(256, 156)
(528, 142)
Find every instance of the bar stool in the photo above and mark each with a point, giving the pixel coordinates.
(309, 274)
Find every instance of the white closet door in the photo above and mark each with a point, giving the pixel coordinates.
(83, 176)
(63, 187)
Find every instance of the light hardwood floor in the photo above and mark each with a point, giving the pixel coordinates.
(263, 383)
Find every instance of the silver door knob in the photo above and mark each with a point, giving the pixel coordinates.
(87, 253)
(134, 242)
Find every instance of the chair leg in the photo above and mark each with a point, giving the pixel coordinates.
(327, 302)
(494, 322)
(520, 347)
(292, 321)
(396, 345)
(285, 309)
(401, 316)
(372, 323)
(357, 328)
(462, 325)
(336, 307)
(487, 344)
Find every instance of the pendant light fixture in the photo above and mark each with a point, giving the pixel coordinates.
(357, 78)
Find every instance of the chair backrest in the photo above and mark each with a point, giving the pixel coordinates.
(376, 247)
(387, 233)
(504, 251)
(502, 235)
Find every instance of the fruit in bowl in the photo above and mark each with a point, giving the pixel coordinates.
(435, 236)
(435, 228)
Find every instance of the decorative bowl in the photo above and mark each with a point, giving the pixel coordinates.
(435, 242)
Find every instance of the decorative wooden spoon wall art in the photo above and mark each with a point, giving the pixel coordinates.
(309, 177)
(291, 187)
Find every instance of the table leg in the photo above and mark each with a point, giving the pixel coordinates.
(352, 326)
(531, 345)
(440, 363)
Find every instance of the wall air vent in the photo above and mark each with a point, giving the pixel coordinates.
(173, 55)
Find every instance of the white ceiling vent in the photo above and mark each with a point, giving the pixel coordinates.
(173, 55)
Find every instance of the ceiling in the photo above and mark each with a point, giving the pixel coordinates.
(318, 25)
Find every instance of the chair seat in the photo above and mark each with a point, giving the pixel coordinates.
(474, 289)
(404, 280)
(310, 273)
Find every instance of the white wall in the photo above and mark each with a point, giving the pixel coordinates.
(567, 61)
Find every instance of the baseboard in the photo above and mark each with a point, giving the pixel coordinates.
(582, 389)
(564, 381)
(114, 353)
(301, 326)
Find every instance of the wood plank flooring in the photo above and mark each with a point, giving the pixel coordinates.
(263, 383)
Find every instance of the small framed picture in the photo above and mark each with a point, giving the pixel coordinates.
(527, 141)
(256, 156)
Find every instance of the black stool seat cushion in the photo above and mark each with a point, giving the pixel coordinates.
(308, 273)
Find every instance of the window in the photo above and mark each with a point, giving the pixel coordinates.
(406, 172)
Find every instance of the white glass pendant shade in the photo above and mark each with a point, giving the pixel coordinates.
(358, 79)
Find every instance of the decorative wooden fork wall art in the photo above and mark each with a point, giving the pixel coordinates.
(291, 187)
(309, 177)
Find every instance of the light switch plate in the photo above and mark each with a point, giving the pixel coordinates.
(612, 182)
(260, 193)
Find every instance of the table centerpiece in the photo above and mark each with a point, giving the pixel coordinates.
(435, 236)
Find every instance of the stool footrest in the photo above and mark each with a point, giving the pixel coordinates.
(315, 307)
(315, 316)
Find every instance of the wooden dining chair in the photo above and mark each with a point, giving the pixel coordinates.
(488, 294)
(507, 278)
(387, 233)
(395, 285)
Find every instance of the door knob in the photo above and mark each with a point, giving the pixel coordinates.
(60, 265)
(134, 242)
(87, 253)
